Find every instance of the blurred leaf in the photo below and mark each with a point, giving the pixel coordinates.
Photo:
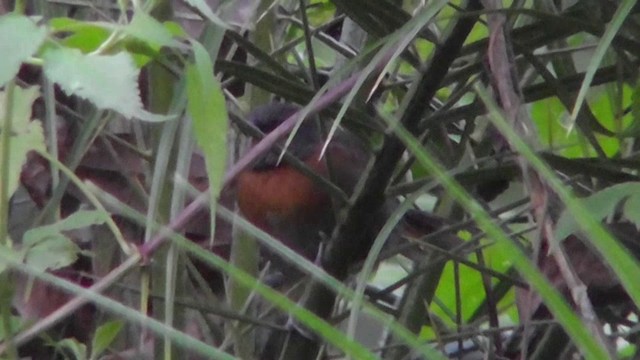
(634, 128)
(26, 135)
(16, 256)
(209, 114)
(20, 38)
(104, 337)
(82, 35)
(204, 8)
(472, 292)
(603, 46)
(602, 204)
(150, 30)
(109, 81)
(174, 28)
(46, 247)
(50, 252)
(65, 24)
(78, 349)
(87, 41)
(631, 210)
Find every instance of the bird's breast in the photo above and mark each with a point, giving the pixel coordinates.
(279, 193)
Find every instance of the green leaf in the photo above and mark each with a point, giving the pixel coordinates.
(634, 128)
(82, 35)
(104, 337)
(52, 252)
(209, 114)
(205, 10)
(615, 254)
(46, 247)
(109, 81)
(19, 38)
(77, 349)
(150, 30)
(631, 210)
(66, 25)
(174, 29)
(26, 135)
(603, 46)
(602, 204)
(15, 256)
(77, 220)
(88, 39)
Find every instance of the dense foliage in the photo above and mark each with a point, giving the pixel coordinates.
(498, 215)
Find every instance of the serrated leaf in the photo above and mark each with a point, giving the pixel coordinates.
(601, 204)
(26, 135)
(109, 81)
(47, 248)
(104, 337)
(19, 38)
(209, 114)
(150, 30)
(205, 10)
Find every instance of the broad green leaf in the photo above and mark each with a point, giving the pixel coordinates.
(26, 135)
(82, 35)
(46, 247)
(150, 30)
(19, 38)
(88, 39)
(69, 25)
(54, 251)
(205, 10)
(209, 114)
(174, 29)
(109, 81)
(104, 337)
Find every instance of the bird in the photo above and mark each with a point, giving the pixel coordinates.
(300, 212)
(287, 204)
